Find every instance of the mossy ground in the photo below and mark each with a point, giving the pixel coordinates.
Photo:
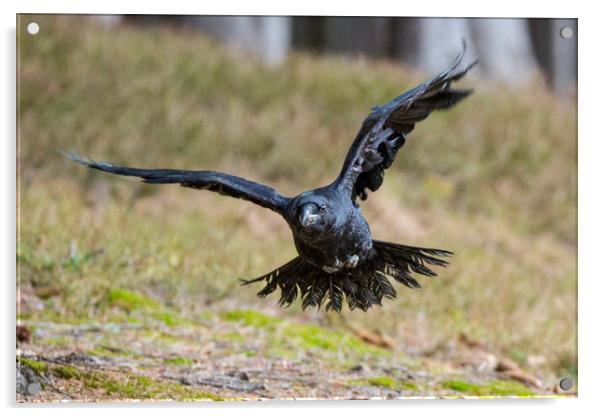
(86, 384)
(492, 388)
(139, 275)
(269, 358)
(386, 382)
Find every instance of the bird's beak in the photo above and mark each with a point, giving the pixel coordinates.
(308, 216)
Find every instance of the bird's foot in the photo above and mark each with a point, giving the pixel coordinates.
(352, 261)
(338, 265)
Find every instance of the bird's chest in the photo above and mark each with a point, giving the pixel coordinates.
(345, 246)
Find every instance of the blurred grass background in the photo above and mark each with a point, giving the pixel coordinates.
(493, 180)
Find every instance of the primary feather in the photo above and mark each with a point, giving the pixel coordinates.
(221, 183)
(385, 129)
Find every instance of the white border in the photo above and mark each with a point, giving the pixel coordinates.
(590, 175)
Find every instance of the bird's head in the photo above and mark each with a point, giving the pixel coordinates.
(314, 214)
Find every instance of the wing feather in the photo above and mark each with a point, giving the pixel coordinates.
(221, 183)
(385, 129)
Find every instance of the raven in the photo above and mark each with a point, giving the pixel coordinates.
(337, 256)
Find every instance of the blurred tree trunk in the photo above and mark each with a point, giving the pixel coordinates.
(509, 50)
(369, 36)
(556, 56)
(108, 19)
(504, 49)
(438, 42)
(503, 46)
(564, 55)
(266, 36)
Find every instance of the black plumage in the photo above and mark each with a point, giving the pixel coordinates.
(338, 259)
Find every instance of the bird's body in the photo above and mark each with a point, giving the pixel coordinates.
(344, 243)
(338, 257)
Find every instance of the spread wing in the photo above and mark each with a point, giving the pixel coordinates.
(221, 183)
(384, 131)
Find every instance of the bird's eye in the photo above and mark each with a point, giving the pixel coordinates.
(322, 208)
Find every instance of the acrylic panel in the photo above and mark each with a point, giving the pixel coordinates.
(400, 193)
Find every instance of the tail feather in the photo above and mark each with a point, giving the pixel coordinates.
(314, 295)
(363, 287)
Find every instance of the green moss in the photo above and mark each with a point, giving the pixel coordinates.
(232, 336)
(163, 338)
(179, 361)
(387, 382)
(250, 318)
(131, 386)
(493, 388)
(100, 352)
(309, 337)
(507, 388)
(286, 336)
(406, 385)
(362, 349)
(38, 367)
(65, 372)
(169, 318)
(459, 385)
(128, 300)
(117, 352)
(141, 387)
(312, 337)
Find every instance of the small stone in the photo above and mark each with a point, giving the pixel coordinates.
(238, 374)
(359, 368)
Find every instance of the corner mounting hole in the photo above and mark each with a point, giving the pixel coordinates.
(565, 384)
(33, 28)
(566, 32)
(33, 388)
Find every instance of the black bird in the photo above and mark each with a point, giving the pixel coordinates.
(337, 256)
